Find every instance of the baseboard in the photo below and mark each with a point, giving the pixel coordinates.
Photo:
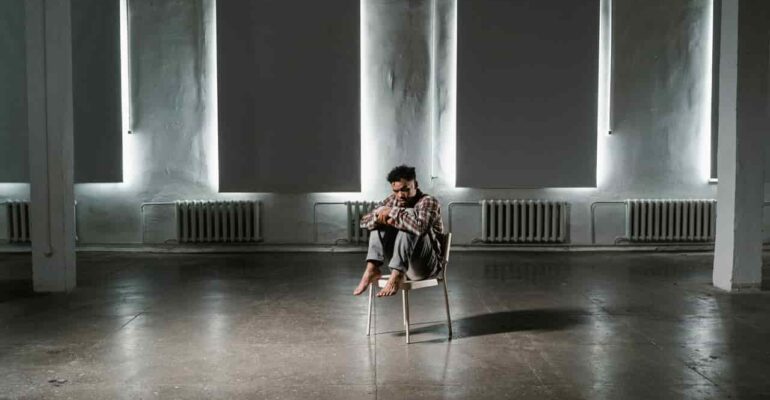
(313, 248)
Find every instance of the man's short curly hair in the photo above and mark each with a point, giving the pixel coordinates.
(401, 172)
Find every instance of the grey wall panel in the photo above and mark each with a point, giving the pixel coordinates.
(289, 95)
(96, 90)
(753, 101)
(527, 76)
(13, 93)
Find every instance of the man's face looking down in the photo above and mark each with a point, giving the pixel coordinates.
(405, 191)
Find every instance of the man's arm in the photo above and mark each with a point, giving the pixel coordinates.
(417, 220)
(369, 221)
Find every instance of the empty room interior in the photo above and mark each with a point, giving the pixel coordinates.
(384, 199)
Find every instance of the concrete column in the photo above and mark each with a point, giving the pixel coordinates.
(51, 166)
(743, 126)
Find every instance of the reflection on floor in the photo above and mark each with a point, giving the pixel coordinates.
(285, 326)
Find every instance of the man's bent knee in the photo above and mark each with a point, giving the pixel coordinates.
(406, 236)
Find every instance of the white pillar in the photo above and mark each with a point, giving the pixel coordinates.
(743, 126)
(49, 98)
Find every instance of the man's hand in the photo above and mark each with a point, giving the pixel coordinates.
(382, 216)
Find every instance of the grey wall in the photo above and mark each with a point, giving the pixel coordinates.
(13, 93)
(659, 148)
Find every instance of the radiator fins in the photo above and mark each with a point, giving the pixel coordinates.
(218, 221)
(356, 210)
(523, 221)
(18, 221)
(650, 220)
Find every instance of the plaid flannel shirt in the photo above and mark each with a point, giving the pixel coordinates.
(426, 215)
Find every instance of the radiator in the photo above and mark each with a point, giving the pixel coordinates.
(523, 221)
(356, 210)
(18, 221)
(217, 221)
(670, 220)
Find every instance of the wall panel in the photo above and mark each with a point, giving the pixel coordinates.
(289, 95)
(527, 76)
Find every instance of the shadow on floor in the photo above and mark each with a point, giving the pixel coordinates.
(16, 289)
(508, 321)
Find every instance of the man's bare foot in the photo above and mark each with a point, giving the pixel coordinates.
(391, 287)
(371, 275)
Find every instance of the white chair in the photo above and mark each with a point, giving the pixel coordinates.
(408, 285)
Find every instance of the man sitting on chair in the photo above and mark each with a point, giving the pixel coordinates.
(405, 227)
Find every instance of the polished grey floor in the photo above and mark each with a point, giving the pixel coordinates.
(285, 326)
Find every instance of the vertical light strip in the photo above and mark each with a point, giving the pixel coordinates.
(433, 90)
(124, 81)
(708, 97)
(213, 123)
(610, 120)
(367, 139)
(129, 153)
(604, 89)
(716, 42)
(450, 150)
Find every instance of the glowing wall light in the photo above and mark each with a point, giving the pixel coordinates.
(449, 153)
(213, 123)
(11, 190)
(433, 91)
(604, 116)
(130, 156)
(706, 113)
(368, 180)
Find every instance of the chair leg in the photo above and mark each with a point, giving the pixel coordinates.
(405, 298)
(369, 316)
(448, 317)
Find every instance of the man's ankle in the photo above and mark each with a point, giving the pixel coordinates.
(374, 269)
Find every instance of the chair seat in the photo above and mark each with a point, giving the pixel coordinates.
(410, 285)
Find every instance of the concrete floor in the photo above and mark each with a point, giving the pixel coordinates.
(285, 326)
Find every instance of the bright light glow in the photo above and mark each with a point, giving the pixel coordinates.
(213, 123)
(448, 121)
(367, 132)
(557, 192)
(130, 156)
(604, 119)
(449, 166)
(705, 148)
(14, 190)
(345, 196)
(433, 91)
(607, 90)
